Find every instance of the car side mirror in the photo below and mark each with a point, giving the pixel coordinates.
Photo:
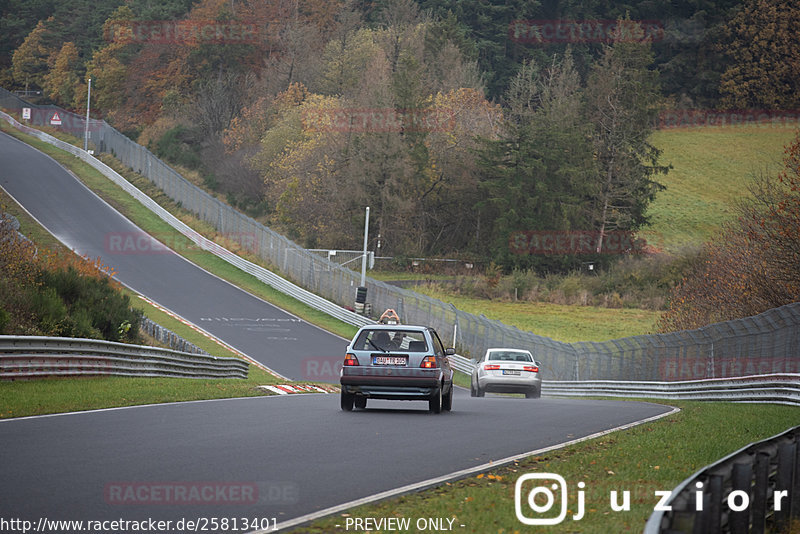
(449, 352)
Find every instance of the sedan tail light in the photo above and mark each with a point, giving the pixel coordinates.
(531, 368)
(350, 360)
(429, 362)
(492, 366)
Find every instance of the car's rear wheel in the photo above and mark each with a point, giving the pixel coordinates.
(473, 392)
(435, 401)
(447, 400)
(533, 393)
(360, 402)
(478, 391)
(347, 400)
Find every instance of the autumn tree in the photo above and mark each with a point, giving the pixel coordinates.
(31, 60)
(752, 265)
(62, 80)
(461, 117)
(765, 53)
(345, 57)
(108, 68)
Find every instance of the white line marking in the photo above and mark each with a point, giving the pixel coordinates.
(418, 486)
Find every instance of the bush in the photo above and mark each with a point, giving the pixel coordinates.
(177, 146)
(44, 293)
(91, 306)
(631, 282)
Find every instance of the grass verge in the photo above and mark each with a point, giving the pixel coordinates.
(58, 395)
(653, 456)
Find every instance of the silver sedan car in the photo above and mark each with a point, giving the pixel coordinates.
(507, 371)
(397, 362)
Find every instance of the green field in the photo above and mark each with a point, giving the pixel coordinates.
(711, 170)
(559, 322)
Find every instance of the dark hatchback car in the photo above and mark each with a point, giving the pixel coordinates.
(397, 362)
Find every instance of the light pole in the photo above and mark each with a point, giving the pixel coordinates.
(361, 291)
(364, 257)
(86, 127)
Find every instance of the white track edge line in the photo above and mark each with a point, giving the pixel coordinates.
(410, 488)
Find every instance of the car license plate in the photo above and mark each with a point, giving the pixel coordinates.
(388, 360)
(510, 372)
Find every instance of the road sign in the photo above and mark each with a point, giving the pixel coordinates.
(26, 114)
(55, 120)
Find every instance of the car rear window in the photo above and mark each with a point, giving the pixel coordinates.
(510, 356)
(391, 340)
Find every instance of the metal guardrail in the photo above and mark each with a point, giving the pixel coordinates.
(778, 388)
(266, 276)
(754, 490)
(772, 388)
(462, 364)
(23, 357)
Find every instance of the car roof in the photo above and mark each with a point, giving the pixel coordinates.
(395, 327)
(494, 349)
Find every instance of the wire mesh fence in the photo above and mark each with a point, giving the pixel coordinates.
(767, 343)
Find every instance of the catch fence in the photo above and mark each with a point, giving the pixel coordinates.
(767, 343)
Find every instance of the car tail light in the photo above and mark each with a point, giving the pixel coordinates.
(492, 366)
(350, 360)
(429, 362)
(531, 368)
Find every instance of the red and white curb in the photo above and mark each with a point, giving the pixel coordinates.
(286, 389)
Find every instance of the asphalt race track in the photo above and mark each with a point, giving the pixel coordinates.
(85, 223)
(264, 458)
(288, 455)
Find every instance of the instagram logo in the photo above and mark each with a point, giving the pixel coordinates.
(541, 498)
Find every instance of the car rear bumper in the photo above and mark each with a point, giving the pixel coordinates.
(400, 384)
(508, 385)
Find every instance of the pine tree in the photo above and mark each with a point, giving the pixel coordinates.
(622, 103)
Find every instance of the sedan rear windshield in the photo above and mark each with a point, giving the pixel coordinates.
(510, 356)
(391, 340)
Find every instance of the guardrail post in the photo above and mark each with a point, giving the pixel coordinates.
(739, 521)
(784, 481)
(702, 519)
(795, 493)
(759, 503)
(712, 507)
